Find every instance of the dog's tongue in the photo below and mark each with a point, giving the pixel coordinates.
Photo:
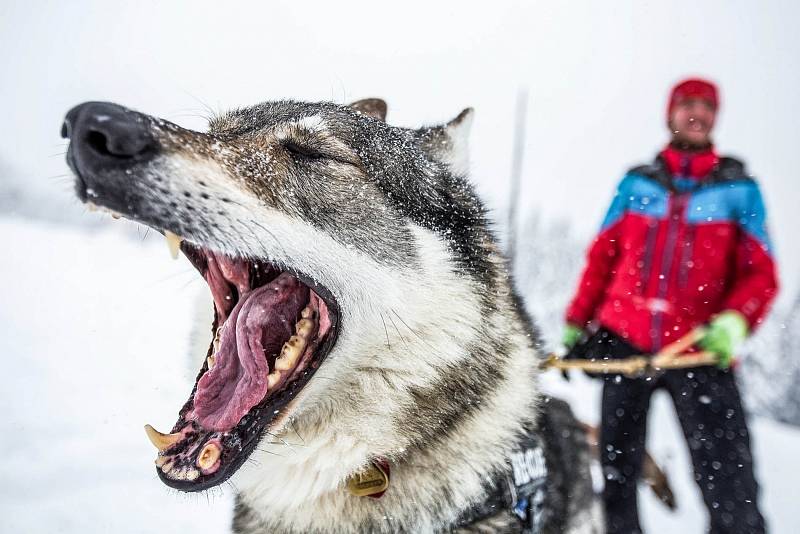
(256, 328)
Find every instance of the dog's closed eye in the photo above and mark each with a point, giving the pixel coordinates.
(298, 150)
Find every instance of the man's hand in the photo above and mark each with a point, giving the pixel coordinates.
(572, 334)
(725, 332)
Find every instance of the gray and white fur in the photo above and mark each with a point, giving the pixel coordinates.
(435, 368)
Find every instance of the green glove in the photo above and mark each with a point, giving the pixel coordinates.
(572, 334)
(725, 332)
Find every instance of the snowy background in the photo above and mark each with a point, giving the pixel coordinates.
(95, 318)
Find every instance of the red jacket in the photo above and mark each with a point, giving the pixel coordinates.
(684, 239)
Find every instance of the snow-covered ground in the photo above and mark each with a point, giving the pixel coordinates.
(94, 333)
(95, 329)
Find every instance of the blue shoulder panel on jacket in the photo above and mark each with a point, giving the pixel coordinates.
(736, 201)
(637, 194)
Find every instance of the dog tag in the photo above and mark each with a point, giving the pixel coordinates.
(372, 482)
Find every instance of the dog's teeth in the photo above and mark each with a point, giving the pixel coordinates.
(178, 474)
(115, 215)
(304, 328)
(91, 206)
(290, 352)
(216, 340)
(184, 473)
(272, 379)
(161, 441)
(167, 467)
(161, 460)
(174, 243)
(208, 456)
(307, 313)
(212, 360)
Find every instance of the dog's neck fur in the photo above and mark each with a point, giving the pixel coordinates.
(434, 368)
(424, 354)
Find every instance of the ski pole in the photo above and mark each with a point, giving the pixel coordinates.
(671, 356)
(634, 365)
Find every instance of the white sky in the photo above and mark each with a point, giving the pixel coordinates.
(597, 73)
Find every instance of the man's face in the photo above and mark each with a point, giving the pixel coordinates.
(691, 121)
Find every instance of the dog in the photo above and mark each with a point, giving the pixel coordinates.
(371, 368)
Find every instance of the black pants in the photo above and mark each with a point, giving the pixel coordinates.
(710, 412)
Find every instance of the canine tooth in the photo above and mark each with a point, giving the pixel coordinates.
(208, 456)
(161, 441)
(273, 378)
(174, 243)
(211, 360)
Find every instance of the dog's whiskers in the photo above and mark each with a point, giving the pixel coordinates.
(274, 238)
(192, 113)
(405, 343)
(270, 452)
(386, 331)
(291, 422)
(411, 329)
(323, 377)
(233, 486)
(146, 232)
(282, 441)
(208, 109)
(174, 275)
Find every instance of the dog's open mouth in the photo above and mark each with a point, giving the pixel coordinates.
(272, 329)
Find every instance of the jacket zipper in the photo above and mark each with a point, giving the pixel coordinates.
(686, 257)
(666, 266)
(647, 260)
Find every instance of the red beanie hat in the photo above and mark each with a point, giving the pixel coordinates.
(693, 88)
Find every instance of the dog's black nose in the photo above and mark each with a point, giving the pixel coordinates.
(107, 142)
(104, 134)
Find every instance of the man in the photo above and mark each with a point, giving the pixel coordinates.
(684, 244)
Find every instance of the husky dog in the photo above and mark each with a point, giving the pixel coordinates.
(368, 352)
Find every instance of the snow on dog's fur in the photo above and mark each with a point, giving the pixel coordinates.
(435, 365)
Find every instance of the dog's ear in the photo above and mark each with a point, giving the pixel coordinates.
(457, 131)
(372, 107)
